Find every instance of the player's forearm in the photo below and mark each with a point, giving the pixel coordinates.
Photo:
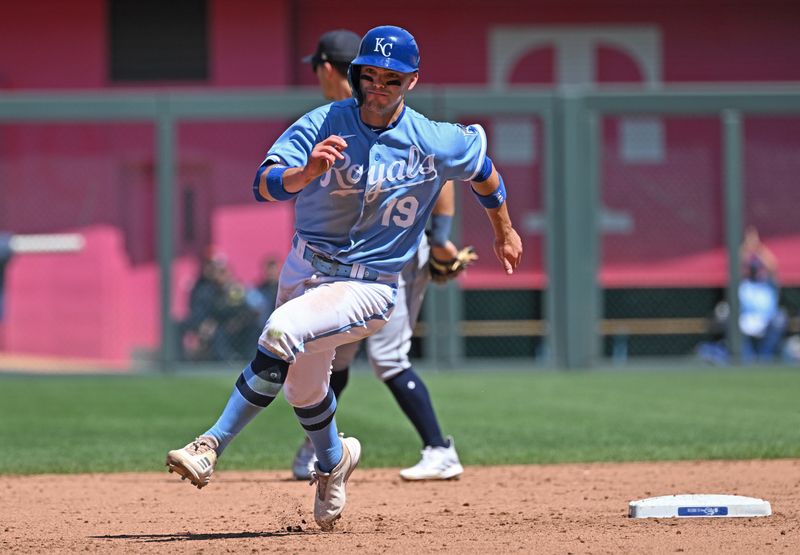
(507, 242)
(501, 222)
(296, 179)
(442, 223)
(275, 183)
(491, 194)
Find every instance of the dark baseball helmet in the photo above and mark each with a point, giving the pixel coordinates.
(388, 47)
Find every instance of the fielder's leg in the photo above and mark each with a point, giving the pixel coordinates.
(439, 457)
(388, 352)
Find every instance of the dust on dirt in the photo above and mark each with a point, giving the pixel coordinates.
(570, 508)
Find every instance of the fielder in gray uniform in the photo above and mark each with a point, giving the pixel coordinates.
(365, 173)
(388, 348)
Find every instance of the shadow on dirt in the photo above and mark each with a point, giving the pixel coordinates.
(188, 536)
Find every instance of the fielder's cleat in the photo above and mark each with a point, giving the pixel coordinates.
(196, 461)
(330, 499)
(438, 463)
(304, 459)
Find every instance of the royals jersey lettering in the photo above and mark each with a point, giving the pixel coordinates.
(371, 207)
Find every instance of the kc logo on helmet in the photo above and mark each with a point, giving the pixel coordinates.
(384, 48)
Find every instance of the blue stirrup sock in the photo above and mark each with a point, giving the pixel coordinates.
(257, 386)
(320, 426)
(411, 394)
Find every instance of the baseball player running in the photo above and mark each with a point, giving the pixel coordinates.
(388, 348)
(365, 173)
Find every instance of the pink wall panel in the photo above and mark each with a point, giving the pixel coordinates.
(250, 235)
(75, 304)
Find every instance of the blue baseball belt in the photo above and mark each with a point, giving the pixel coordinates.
(333, 268)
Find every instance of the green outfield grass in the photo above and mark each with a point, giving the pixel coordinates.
(128, 423)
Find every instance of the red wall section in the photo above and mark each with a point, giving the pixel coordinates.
(98, 178)
(702, 41)
(248, 43)
(53, 44)
(751, 42)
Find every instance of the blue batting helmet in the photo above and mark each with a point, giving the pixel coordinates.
(388, 47)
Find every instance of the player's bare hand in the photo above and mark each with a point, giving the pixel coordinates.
(508, 249)
(324, 156)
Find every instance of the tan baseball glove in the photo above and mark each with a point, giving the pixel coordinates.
(443, 271)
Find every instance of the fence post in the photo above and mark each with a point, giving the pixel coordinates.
(165, 207)
(574, 316)
(733, 163)
(553, 240)
(444, 345)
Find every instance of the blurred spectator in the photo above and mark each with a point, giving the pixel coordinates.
(238, 327)
(791, 350)
(268, 287)
(762, 321)
(222, 323)
(197, 329)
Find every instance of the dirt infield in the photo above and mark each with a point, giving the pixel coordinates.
(543, 509)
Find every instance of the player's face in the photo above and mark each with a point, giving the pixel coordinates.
(384, 89)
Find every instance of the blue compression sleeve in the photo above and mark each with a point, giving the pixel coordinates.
(494, 199)
(274, 183)
(440, 229)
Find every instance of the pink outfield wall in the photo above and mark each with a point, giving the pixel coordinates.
(98, 179)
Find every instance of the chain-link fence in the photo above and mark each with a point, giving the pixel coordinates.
(503, 316)
(86, 228)
(130, 237)
(664, 266)
(77, 205)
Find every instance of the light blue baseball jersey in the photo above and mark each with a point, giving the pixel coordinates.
(371, 208)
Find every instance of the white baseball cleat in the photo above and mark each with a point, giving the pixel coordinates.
(304, 459)
(438, 463)
(196, 461)
(330, 499)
